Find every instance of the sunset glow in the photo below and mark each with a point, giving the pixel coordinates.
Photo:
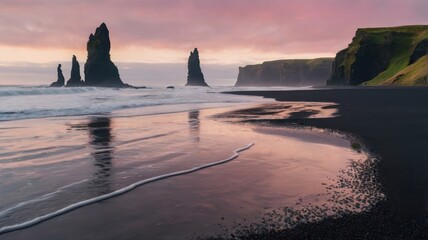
(213, 119)
(36, 36)
(165, 31)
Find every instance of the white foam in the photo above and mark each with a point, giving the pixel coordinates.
(36, 102)
(121, 191)
(26, 91)
(39, 199)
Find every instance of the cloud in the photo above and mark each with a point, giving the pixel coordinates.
(274, 27)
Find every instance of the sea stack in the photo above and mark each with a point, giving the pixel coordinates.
(60, 81)
(75, 78)
(100, 71)
(195, 77)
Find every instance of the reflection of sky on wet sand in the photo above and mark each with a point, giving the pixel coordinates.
(282, 168)
(100, 136)
(194, 125)
(282, 110)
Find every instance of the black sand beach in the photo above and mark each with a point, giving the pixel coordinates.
(78, 159)
(390, 122)
(393, 124)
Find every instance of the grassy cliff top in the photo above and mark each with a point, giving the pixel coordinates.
(407, 28)
(401, 41)
(417, 32)
(308, 61)
(311, 62)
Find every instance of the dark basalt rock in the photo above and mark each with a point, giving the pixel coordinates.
(420, 50)
(338, 70)
(195, 77)
(372, 57)
(75, 78)
(378, 56)
(60, 81)
(100, 71)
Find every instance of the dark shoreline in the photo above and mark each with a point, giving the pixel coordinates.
(393, 123)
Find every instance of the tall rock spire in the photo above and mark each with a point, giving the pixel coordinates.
(195, 77)
(75, 78)
(99, 69)
(60, 81)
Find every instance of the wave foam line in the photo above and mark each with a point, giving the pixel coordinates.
(39, 199)
(116, 193)
(19, 91)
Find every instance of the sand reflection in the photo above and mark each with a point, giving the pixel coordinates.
(194, 125)
(102, 152)
(100, 137)
(285, 110)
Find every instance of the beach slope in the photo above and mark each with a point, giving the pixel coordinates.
(393, 122)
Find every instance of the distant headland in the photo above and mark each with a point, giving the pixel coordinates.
(292, 72)
(376, 56)
(384, 56)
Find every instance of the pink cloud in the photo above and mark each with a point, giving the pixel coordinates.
(286, 26)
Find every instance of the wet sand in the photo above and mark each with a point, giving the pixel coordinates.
(77, 158)
(393, 123)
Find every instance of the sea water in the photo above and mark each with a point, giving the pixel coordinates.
(61, 148)
(24, 102)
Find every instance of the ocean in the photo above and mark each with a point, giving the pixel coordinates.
(26, 102)
(157, 163)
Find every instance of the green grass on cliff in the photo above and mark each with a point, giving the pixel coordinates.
(400, 60)
(412, 35)
(405, 40)
(312, 63)
(415, 74)
(318, 61)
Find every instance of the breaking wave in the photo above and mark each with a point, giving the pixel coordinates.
(40, 102)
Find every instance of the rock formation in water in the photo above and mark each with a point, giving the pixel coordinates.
(384, 56)
(75, 78)
(299, 72)
(60, 81)
(195, 77)
(100, 71)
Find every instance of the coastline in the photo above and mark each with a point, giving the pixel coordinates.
(106, 151)
(393, 123)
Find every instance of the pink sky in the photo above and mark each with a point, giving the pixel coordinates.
(225, 31)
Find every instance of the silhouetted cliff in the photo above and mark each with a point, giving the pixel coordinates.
(195, 77)
(299, 72)
(384, 56)
(99, 69)
(60, 80)
(75, 78)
